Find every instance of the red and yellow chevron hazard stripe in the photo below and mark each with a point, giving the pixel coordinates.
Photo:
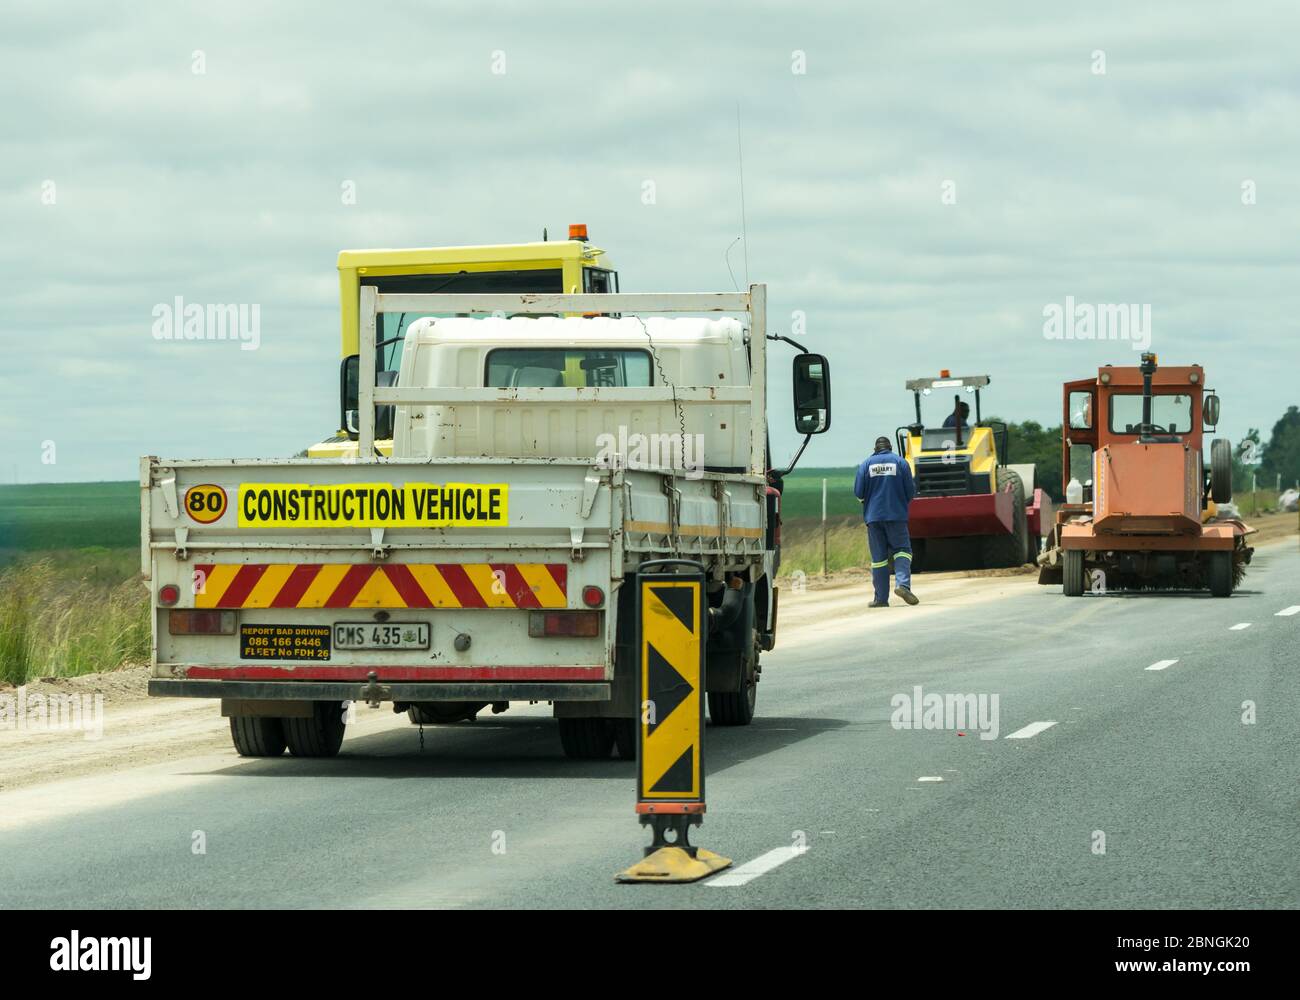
(392, 585)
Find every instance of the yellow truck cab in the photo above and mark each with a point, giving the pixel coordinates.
(571, 266)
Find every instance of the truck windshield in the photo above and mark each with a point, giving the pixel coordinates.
(562, 367)
(1170, 414)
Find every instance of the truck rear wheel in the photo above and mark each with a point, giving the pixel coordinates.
(587, 739)
(1219, 570)
(1010, 550)
(736, 708)
(624, 737)
(257, 736)
(318, 735)
(1072, 572)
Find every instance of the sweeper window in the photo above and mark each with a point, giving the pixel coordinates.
(391, 332)
(1170, 414)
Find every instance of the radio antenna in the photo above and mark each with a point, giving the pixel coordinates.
(740, 160)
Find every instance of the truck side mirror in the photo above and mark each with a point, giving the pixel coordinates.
(1210, 410)
(349, 379)
(812, 394)
(349, 394)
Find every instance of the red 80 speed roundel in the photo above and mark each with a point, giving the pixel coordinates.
(205, 503)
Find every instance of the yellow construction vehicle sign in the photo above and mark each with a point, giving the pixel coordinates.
(373, 505)
(672, 708)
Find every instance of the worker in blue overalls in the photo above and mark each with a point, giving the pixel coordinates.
(885, 486)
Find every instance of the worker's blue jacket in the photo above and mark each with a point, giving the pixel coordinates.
(885, 486)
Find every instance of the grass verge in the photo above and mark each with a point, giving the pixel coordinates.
(801, 545)
(68, 613)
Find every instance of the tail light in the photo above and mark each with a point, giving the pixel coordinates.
(563, 623)
(201, 622)
(168, 594)
(593, 597)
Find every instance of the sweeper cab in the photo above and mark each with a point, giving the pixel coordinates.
(1140, 509)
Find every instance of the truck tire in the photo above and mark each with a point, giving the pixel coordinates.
(587, 739)
(1072, 573)
(318, 735)
(257, 736)
(736, 708)
(1221, 470)
(1219, 571)
(624, 737)
(1002, 551)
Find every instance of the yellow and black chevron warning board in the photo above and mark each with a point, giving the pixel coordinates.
(671, 633)
(671, 641)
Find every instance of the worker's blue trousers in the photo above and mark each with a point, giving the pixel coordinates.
(885, 539)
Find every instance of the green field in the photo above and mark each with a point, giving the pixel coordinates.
(37, 518)
(43, 516)
(71, 601)
(802, 496)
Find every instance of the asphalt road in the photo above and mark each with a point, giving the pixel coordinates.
(820, 802)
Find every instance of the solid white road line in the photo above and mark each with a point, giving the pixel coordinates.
(1239, 626)
(759, 866)
(1287, 612)
(1162, 664)
(1033, 729)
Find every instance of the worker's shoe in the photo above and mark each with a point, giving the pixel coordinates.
(907, 595)
(878, 604)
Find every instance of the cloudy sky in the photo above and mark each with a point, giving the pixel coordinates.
(922, 181)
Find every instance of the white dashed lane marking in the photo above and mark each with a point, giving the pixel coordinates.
(1033, 729)
(1239, 626)
(1162, 664)
(1287, 612)
(759, 866)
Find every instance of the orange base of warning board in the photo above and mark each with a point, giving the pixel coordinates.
(674, 864)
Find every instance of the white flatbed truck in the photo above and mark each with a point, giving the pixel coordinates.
(536, 462)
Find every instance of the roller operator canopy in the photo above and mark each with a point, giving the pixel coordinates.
(947, 382)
